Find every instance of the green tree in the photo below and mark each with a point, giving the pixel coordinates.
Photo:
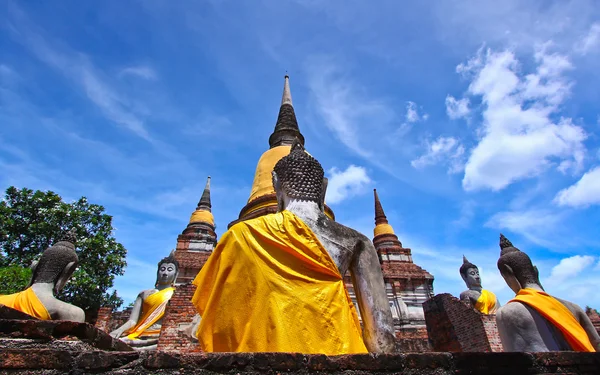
(14, 279)
(31, 221)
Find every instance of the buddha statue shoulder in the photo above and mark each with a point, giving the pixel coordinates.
(535, 321)
(481, 299)
(142, 329)
(275, 283)
(49, 276)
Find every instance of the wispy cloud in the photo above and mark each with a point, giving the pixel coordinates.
(591, 41)
(443, 150)
(140, 71)
(534, 224)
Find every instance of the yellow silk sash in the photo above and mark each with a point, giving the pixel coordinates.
(487, 302)
(557, 314)
(27, 302)
(153, 309)
(270, 286)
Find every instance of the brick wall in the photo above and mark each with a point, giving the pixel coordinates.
(109, 320)
(456, 327)
(412, 340)
(178, 317)
(594, 317)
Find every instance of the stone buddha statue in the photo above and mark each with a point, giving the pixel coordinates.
(142, 329)
(49, 275)
(534, 321)
(481, 299)
(275, 283)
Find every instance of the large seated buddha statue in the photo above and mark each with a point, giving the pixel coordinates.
(481, 299)
(49, 275)
(275, 283)
(534, 321)
(142, 329)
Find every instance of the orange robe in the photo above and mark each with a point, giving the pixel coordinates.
(487, 303)
(27, 302)
(557, 314)
(270, 286)
(153, 309)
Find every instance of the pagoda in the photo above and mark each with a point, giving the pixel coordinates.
(262, 198)
(407, 285)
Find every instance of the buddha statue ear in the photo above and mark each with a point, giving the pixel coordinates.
(33, 267)
(509, 276)
(64, 276)
(323, 192)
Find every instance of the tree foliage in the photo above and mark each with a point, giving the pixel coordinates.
(31, 221)
(14, 279)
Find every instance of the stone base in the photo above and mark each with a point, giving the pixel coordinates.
(54, 334)
(50, 362)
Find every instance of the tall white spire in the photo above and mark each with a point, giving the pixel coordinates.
(287, 95)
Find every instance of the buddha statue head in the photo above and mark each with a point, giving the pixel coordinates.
(168, 269)
(57, 263)
(470, 274)
(516, 267)
(299, 176)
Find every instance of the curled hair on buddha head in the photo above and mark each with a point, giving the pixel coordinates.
(300, 175)
(170, 259)
(466, 266)
(519, 262)
(55, 259)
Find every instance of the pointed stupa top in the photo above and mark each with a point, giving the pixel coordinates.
(287, 94)
(286, 128)
(204, 203)
(203, 213)
(382, 227)
(380, 217)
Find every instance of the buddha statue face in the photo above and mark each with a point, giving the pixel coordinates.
(168, 269)
(470, 274)
(472, 278)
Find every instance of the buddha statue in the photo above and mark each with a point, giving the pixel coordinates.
(49, 275)
(534, 321)
(275, 283)
(142, 329)
(481, 299)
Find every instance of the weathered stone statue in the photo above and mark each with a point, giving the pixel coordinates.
(275, 283)
(481, 299)
(534, 321)
(142, 329)
(49, 275)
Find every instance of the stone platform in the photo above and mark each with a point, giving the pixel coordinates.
(50, 362)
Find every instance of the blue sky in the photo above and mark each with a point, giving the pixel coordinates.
(470, 118)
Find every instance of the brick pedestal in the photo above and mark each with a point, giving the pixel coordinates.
(178, 317)
(456, 327)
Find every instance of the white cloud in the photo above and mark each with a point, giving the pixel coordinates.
(345, 184)
(590, 40)
(141, 71)
(533, 224)
(412, 113)
(457, 108)
(583, 193)
(444, 150)
(519, 136)
(570, 267)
